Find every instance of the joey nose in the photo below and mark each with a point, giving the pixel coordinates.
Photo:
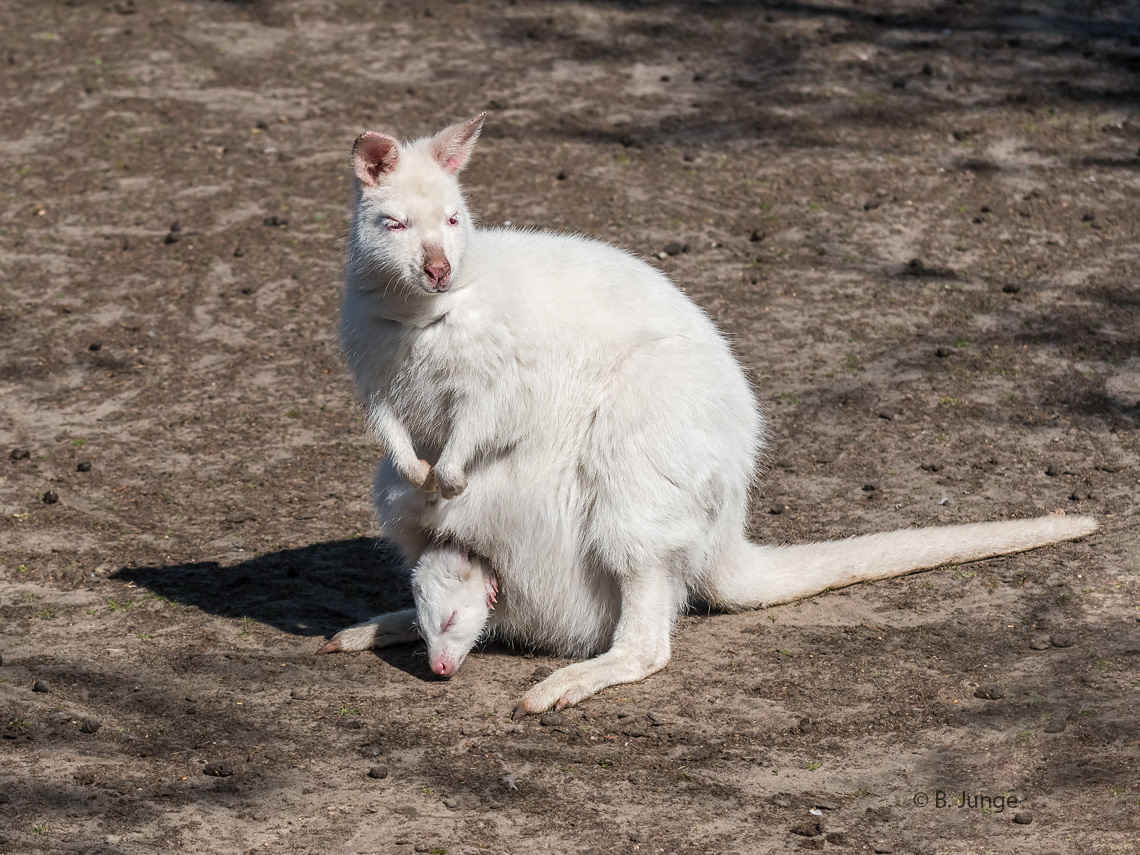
(438, 271)
(442, 667)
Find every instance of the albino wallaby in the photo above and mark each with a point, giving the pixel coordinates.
(560, 408)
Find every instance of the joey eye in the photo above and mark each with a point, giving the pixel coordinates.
(453, 220)
(447, 624)
(395, 225)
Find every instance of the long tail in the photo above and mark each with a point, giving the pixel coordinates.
(767, 575)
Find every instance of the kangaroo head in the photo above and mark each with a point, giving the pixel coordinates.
(454, 593)
(411, 223)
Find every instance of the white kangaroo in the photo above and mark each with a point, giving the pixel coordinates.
(562, 410)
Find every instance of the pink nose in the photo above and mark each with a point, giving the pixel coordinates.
(438, 271)
(442, 667)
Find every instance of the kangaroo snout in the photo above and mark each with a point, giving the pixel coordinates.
(437, 269)
(443, 667)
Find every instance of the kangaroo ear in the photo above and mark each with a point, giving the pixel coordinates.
(492, 583)
(374, 155)
(452, 146)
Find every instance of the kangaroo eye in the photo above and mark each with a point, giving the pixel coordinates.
(453, 220)
(395, 225)
(447, 624)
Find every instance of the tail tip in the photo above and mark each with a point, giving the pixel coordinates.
(1077, 526)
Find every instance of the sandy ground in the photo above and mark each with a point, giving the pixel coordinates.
(918, 223)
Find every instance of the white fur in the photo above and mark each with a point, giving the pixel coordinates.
(587, 427)
(453, 598)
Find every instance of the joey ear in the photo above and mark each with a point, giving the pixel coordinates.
(492, 583)
(374, 155)
(452, 146)
(467, 568)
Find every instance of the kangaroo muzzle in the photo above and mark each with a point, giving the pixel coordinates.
(437, 270)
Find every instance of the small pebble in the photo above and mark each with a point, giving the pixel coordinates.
(218, 770)
(89, 726)
(1080, 495)
(1023, 818)
(172, 237)
(276, 221)
(1052, 470)
(552, 719)
(176, 226)
(238, 252)
(871, 204)
(943, 352)
(19, 454)
(83, 466)
(882, 849)
(757, 236)
(51, 497)
(990, 693)
(1061, 640)
(299, 694)
(813, 828)
(1039, 642)
(41, 686)
(378, 772)
(837, 838)
(562, 175)
(1010, 288)
(541, 673)
(673, 248)
(1056, 724)
(95, 345)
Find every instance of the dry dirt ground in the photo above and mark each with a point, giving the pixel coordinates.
(918, 223)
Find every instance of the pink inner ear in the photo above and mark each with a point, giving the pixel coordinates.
(374, 155)
(492, 583)
(452, 146)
